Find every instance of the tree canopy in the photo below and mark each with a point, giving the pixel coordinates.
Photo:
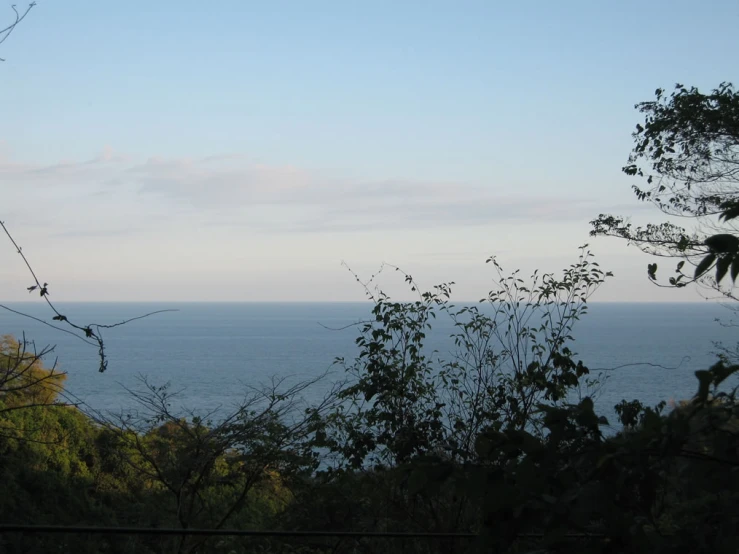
(24, 379)
(687, 152)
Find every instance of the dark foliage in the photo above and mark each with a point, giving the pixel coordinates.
(687, 151)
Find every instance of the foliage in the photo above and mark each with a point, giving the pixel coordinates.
(24, 380)
(688, 152)
(492, 440)
(62, 466)
(666, 484)
(512, 353)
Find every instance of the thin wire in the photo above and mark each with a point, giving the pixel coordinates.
(13, 528)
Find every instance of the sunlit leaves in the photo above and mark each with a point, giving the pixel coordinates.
(24, 379)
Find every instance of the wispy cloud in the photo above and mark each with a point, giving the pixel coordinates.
(228, 190)
(319, 202)
(154, 226)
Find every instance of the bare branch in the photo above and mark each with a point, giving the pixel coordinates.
(5, 33)
(84, 332)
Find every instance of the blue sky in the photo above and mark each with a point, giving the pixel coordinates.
(241, 150)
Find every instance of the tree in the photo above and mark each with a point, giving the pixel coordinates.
(666, 484)
(687, 150)
(412, 416)
(216, 470)
(24, 380)
(511, 353)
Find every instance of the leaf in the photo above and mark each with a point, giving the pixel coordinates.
(652, 271)
(730, 210)
(722, 266)
(704, 265)
(722, 243)
(680, 265)
(735, 269)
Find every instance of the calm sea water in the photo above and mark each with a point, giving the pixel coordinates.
(210, 351)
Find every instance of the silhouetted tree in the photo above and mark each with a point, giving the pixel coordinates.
(687, 150)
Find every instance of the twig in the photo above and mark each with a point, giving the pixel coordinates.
(18, 19)
(649, 364)
(62, 329)
(100, 326)
(349, 326)
(88, 331)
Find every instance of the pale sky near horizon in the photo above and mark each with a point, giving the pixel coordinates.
(181, 150)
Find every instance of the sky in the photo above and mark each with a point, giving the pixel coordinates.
(241, 151)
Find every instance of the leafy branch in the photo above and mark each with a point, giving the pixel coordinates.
(687, 150)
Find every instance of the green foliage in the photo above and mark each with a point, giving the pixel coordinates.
(493, 440)
(60, 466)
(24, 380)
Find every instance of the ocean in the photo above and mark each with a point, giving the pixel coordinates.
(210, 352)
